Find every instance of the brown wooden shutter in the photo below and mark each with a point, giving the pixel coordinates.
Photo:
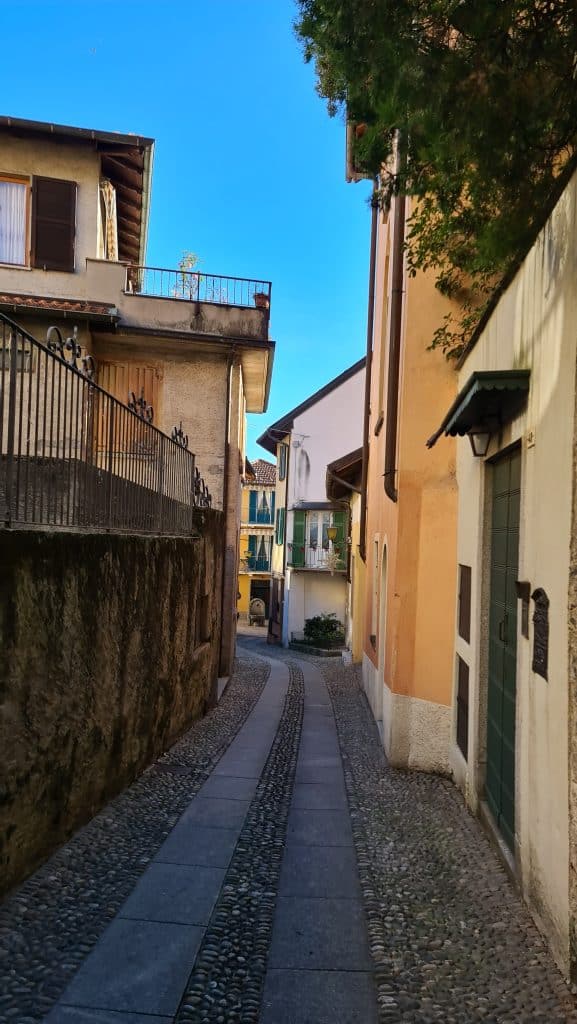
(53, 223)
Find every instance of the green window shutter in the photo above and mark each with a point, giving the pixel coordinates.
(272, 499)
(340, 520)
(282, 450)
(252, 544)
(252, 502)
(298, 559)
(281, 515)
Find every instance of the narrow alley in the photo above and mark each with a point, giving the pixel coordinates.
(271, 868)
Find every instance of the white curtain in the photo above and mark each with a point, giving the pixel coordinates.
(12, 222)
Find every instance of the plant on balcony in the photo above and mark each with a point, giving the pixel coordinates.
(187, 279)
(324, 631)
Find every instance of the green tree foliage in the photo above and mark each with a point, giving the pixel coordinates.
(484, 96)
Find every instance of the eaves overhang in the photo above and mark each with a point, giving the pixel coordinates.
(492, 397)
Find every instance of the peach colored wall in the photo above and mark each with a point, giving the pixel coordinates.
(419, 530)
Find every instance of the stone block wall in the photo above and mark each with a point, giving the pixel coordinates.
(109, 649)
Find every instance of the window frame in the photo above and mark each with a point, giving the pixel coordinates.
(26, 180)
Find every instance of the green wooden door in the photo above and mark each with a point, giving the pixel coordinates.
(501, 702)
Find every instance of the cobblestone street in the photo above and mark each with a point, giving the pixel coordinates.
(271, 868)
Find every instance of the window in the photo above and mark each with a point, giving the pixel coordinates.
(13, 220)
(279, 532)
(465, 602)
(282, 460)
(311, 547)
(463, 707)
(50, 228)
(23, 357)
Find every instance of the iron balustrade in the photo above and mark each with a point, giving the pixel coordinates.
(193, 286)
(73, 456)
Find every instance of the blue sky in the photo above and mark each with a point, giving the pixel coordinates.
(249, 168)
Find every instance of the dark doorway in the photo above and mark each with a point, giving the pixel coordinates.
(261, 589)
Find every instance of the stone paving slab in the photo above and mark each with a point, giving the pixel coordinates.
(320, 796)
(216, 812)
(319, 997)
(189, 843)
(319, 934)
(328, 776)
(178, 893)
(230, 787)
(320, 871)
(139, 966)
(319, 827)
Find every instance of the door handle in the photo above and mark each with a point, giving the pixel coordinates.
(503, 630)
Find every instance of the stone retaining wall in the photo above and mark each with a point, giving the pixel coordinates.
(109, 649)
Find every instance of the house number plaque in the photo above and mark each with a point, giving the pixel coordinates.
(541, 632)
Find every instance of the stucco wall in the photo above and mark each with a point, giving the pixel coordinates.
(313, 593)
(108, 650)
(532, 327)
(27, 157)
(411, 543)
(331, 427)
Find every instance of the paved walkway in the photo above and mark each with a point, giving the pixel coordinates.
(318, 967)
(300, 881)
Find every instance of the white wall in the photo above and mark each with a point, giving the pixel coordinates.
(532, 327)
(332, 427)
(312, 593)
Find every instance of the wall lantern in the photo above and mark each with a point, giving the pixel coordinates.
(480, 438)
(332, 533)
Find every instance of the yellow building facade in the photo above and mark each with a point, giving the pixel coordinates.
(409, 527)
(256, 541)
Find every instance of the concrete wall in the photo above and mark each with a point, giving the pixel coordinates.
(532, 327)
(109, 650)
(411, 543)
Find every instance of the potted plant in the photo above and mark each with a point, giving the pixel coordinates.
(261, 300)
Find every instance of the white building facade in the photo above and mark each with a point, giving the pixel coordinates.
(311, 541)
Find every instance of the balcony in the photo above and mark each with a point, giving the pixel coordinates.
(308, 557)
(192, 286)
(262, 517)
(182, 300)
(254, 564)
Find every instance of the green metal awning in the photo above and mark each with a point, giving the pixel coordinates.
(489, 397)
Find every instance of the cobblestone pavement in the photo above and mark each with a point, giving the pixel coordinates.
(450, 938)
(273, 869)
(52, 921)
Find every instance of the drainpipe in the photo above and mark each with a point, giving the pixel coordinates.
(392, 415)
(229, 365)
(369, 361)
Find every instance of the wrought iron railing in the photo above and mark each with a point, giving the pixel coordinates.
(314, 557)
(72, 455)
(193, 286)
(254, 564)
